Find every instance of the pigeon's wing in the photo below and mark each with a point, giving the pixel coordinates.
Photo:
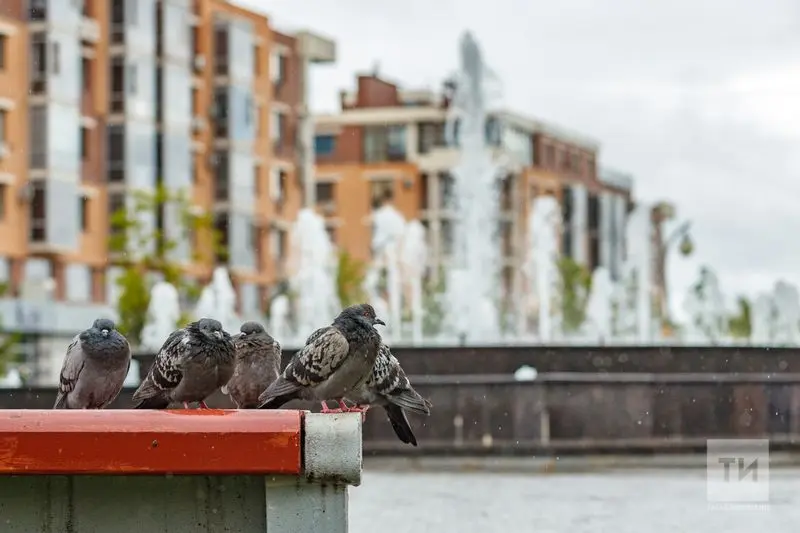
(70, 371)
(324, 352)
(390, 381)
(165, 374)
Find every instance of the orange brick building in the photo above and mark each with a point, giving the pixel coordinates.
(388, 143)
(122, 95)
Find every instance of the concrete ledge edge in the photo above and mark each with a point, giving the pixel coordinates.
(332, 448)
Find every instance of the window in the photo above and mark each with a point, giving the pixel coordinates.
(84, 213)
(276, 127)
(381, 191)
(221, 112)
(221, 228)
(117, 85)
(38, 63)
(331, 231)
(277, 67)
(85, 143)
(131, 12)
(38, 9)
(221, 177)
(3, 193)
(446, 191)
(38, 212)
(324, 145)
(277, 243)
(277, 185)
(550, 155)
(3, 116)
(324, 192)
(116, 153)
(38, 136)
(131, 73)
(447, 237)
(384, 143)
(257, 179)
(3, 42)
(430, 136)
(86, 73)
(56, 59)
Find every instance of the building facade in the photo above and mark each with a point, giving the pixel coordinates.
(388, 144)
(102, 98)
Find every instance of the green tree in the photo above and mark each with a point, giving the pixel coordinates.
(350, 279)
(140, 247)
(739, 324)
(575, 283)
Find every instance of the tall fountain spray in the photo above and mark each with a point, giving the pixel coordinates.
(218, 301)
(314, 267)
(599, 325)
(637, 311)
(163, 314)
(473, 276)
(763, 315)
(544, 223)
(787, 306)
(388, 227)
(414, 258)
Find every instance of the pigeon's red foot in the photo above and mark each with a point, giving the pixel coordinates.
(360, 409)
(326, 409)
(186, 405)
(204, 405)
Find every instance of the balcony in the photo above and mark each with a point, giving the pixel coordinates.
(89, 30)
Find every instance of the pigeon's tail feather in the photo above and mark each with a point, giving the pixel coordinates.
(159, 401)
(149, 396)
(411, 400)
(400, 424)
(61, 402)
(280, 392)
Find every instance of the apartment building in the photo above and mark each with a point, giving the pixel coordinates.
(389, 144)
(101, 98)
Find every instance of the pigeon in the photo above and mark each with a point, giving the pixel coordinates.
(389, 387)
(257, 365)
(335, 360)
(192, 364)
(95, 367)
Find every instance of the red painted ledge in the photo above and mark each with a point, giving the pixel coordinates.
(178, 441)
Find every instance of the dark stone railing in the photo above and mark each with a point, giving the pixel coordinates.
(422, 361)
(562, 413)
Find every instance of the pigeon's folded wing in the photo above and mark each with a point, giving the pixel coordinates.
(390, 381)
(324, 352)
(166, 371)
(70, 371)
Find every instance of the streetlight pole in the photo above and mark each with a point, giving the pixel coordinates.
(680, 233)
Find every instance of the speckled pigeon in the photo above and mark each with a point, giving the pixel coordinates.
(336, 360)
(257, 365)
(95, 367)
(192, 364)
(389, 387)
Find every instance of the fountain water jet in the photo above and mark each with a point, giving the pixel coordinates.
(313, 282)
(388, 227)
(218, 301)
(163, 313)
(474, 273)
(544, 223)
(414, 259)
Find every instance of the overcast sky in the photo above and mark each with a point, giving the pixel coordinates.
(698, 99)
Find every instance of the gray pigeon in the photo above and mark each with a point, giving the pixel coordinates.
(192, 364)
(336, 360)
(95, 367)
(257, 365)
(389, 387)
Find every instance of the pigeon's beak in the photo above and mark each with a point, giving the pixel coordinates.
(104, 332)
(218, 334)
(379, 321)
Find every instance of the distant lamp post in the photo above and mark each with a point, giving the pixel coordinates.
(685, 247)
